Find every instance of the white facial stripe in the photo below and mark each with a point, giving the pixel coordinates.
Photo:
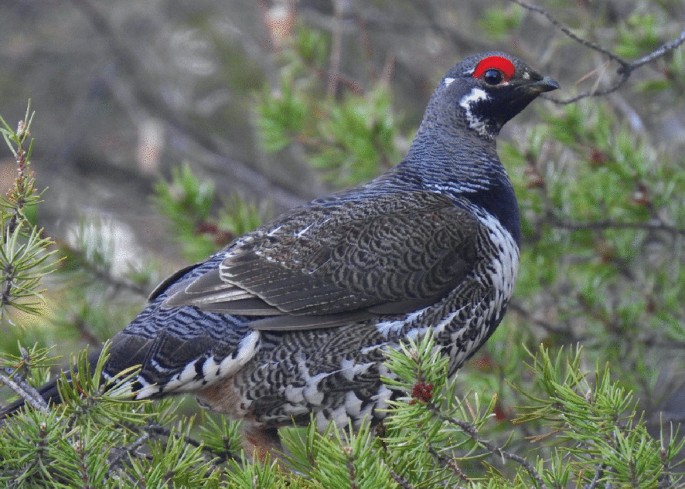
(467, 102)
(448, 81)
(475, 95)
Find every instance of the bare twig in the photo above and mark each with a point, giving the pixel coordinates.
(104, 274)
(666, 344)
(625, 69)
(158, 429)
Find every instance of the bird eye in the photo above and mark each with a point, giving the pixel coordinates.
(494, 70)
(493, 77)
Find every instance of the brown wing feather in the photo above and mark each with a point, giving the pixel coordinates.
(333, 263)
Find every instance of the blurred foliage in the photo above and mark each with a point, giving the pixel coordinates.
(498, 23)
(189, 204)
(603, 223)
(640, 34)
(351, 136)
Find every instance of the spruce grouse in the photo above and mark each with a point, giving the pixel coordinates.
(294, 319)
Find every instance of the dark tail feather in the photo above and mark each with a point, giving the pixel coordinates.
(48, 391)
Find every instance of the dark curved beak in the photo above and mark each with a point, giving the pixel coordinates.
(545, 84)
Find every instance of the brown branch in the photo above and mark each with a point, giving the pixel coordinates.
(8, 276)
(624, 75)
(666, 344)
(625, 69)
(104, 273)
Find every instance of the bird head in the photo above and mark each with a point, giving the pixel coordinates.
(484, 91)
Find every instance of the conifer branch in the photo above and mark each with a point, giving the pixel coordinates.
(450, 464)
(130, 449)
(472, 432)
(403, 483)
(158, 429)
(13, 379)
(597, 477)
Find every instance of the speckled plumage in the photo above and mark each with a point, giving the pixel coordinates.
(294, 318)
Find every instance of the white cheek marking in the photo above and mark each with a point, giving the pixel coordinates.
(448, 81)
(467, 102)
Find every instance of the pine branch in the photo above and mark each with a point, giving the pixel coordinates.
(598, 476)
(129, 449)
(472, 432)
(450, 464)
(13, 379)
(158, 429)
(403, 483)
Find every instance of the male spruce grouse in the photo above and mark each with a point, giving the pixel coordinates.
(293, 319)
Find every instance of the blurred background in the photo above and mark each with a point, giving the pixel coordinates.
(126, 90)
(164, 128)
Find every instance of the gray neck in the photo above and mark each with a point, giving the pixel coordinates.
(447, 153)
